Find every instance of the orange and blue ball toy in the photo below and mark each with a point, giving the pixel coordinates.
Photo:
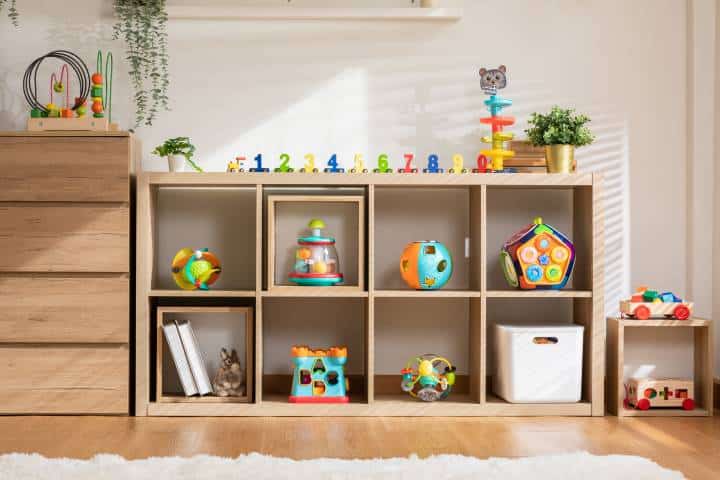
(426, 265)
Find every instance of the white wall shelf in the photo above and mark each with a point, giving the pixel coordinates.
(306, 13)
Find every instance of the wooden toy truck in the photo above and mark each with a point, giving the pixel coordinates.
(646, 303)
(645, 393)
(645, 310)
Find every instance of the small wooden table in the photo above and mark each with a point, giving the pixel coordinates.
(703, 358)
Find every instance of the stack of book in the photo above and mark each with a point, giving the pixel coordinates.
(527, 159)
(188, 358)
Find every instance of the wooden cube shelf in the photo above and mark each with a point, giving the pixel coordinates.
(205, 318)
(702, 366)
(380, 213)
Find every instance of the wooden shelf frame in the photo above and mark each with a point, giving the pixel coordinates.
(588, 302)
(702, 366)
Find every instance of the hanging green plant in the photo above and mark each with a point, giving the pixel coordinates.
(12, 11)
(143, 26)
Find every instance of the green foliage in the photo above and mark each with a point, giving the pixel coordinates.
(143, 26)
(178, 146)
(560, 127)
(12, 11)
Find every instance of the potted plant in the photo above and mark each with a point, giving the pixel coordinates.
(178, 151)
(560, 132)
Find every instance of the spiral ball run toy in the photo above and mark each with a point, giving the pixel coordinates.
(195, 269)
(491, 81)
(428, 377)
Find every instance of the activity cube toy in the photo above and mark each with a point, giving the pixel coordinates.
(538, 257)
(647, 393)
(319, 375)
(538, 364)
(316, 259)
(426, 265)
(647, 303)
(428, 377)
(195, 269)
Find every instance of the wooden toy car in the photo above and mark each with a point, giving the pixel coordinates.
(646, 303)
(645, 393)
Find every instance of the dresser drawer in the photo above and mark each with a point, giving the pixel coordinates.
(64, 309)
(78, 380)
(82, 169)
(74, 238)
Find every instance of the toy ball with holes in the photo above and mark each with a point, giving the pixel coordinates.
(426, 265)
(428, 377)
(538, 257)
(195, 269)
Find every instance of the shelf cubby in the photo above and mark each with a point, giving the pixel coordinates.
(380, 319)
(220, 219)
(318, 323)
(407, 327)
(287, 219)
(565, 208)
(214, 328)
(539, 311)
(450, 215)
(700, 333)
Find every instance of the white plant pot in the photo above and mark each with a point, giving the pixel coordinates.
(176, 163)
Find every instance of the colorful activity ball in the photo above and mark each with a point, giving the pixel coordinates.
(428, 377)
(538, 257)
(195, 269)
(426, 265)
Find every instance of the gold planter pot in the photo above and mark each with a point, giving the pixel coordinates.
(560, 158)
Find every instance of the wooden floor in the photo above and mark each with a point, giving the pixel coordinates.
(691, 445)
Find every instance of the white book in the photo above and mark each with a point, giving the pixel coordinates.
(172, 336)
(194, 357)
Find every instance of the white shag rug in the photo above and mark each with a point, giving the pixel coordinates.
(575, 466)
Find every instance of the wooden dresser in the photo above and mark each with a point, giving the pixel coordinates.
(65, 216)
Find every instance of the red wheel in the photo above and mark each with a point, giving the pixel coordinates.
(643, 404)
(682, 312)
(688, 404)
(642, 312)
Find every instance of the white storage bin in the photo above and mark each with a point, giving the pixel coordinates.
(538, 364)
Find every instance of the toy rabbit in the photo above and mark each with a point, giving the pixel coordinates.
(229, 380)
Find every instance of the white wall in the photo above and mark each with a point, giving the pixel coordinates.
(247, 87)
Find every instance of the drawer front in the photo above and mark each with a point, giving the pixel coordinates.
(71, 380)
(64, 309)
(64, 239)
(84, 169)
